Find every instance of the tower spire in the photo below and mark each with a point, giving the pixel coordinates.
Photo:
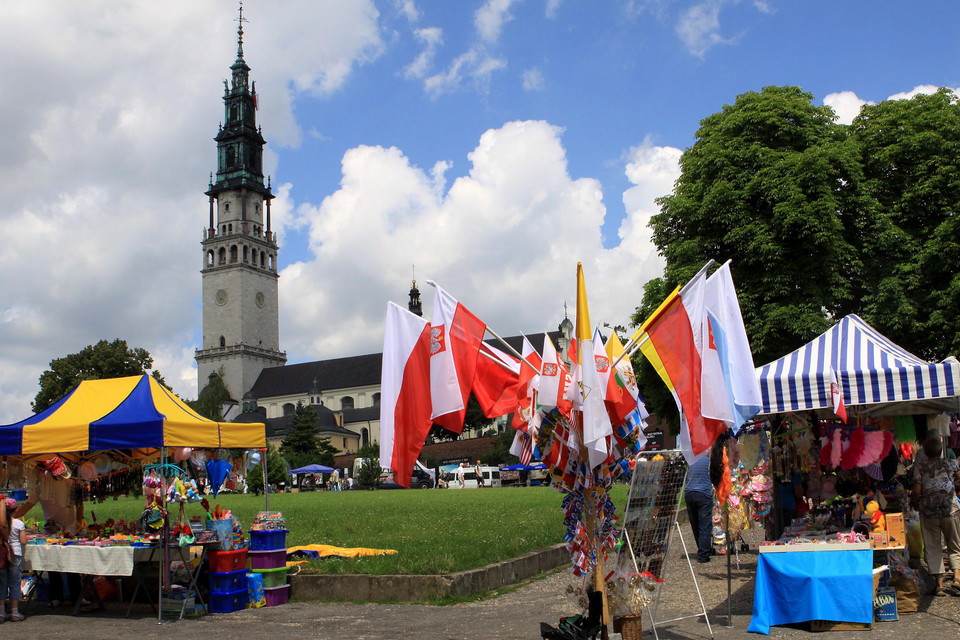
(240, 21)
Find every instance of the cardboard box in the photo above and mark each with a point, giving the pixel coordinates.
(885, 605)
(878, 539)
(896, 536)
(830, 625)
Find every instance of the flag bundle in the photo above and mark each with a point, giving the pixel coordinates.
(697, 343)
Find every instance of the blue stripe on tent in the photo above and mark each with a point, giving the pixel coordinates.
(887, 374)
(805, 381)
(858, 372)
(764, 389)
(135, 423)
(873, 373)
(948, 379)
(792, 380)
(918, 379)
(934, 378)
(904, 383)
(11, 435)
(778, 385)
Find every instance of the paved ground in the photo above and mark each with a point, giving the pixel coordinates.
(512, 616)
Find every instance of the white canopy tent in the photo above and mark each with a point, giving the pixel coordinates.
(877, 376)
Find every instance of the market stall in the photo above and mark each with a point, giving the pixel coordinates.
(846, 411)
(115, 433)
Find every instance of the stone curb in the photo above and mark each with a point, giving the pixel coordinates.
(371, 588)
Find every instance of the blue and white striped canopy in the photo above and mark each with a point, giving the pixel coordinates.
(870, 368)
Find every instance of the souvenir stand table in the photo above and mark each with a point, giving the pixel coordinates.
(803, 582)
(136, 415)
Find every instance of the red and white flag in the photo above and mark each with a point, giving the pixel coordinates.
(496, 381)
(836, 391)
(455, 339)
(529, 379)
(555, 380)
(404, 392)
(522, 447)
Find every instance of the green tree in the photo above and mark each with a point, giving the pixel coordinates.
(771, 182)
(910, 152)
(327, 452)
(94, 362)
(500, 453)
(277, 471)
(301, 445)
(369, 475)
(473, 419)
(212, 397)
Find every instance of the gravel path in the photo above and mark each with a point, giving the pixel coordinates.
(511, 616)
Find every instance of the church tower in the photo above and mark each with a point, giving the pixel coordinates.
(241, 326)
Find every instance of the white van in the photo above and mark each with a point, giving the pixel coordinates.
(491, 477)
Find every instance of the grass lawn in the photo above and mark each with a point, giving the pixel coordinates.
(434, 531)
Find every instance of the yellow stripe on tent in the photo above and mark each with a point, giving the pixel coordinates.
(182, 426)
(68, 428)
(240, 435)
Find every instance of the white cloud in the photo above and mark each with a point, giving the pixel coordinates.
(699, 27)
(431, 38)
(490, 18)
(925, 89)
(105, 156)
(408, 9)
(763, 7)
(504, 238)
(845, 104)
(475, 64)
(533, 80)
(553, 7)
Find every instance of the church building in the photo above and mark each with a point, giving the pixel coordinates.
(240, 274)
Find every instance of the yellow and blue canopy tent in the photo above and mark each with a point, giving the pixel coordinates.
(133, 413)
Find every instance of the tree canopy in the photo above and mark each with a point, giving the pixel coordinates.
(302, 444)
(94, 362)
(820, 220)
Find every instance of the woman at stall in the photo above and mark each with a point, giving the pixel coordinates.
(933, 491)
(13, 531)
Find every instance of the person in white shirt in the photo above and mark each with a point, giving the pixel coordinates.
(13, 531)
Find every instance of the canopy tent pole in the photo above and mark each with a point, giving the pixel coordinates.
(266, 487)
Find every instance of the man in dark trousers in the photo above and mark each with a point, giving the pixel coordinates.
(698, 495)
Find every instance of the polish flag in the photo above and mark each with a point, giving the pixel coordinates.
(529, 379)
(404, 392)
(623, 393)
(455, 339)
(496, 381)
(555, 380)
(836, 391)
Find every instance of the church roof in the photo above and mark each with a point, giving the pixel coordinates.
(349, 372)
(278, 427)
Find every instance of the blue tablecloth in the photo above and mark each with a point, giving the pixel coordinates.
(797, 586)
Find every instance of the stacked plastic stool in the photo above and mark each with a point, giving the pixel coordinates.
(227, 578)
(268, 555)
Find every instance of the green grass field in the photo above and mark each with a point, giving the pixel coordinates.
(434, 531)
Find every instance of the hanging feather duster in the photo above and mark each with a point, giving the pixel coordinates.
(887, 443)
(723, 488)
(873, 450)
(855, 446)
(825, 451)
(836, 449)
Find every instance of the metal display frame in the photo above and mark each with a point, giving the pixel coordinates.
(650, 523)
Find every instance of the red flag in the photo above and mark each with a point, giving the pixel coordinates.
(837, 392)
(455, 339)
(496, 381)
(404, 392)
(555, 381)
(526, 387)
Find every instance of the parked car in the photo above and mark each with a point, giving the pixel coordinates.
(491, 478)
(419, 479)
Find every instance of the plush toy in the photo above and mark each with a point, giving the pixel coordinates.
(873, 513)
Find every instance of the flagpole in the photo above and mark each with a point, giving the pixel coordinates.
(511, 349)
(497, 360)
(629, 349)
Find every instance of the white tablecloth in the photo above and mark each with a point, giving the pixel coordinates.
(95, 561)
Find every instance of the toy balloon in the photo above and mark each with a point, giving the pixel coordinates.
(181, 453)
(87, 471)
(253, 461)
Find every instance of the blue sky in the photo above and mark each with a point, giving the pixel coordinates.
(492, 143)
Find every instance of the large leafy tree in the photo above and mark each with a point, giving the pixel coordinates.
(101, 360)
(769, 184)
(301, 446)
(212, 397)
(277, 471)
(910, 152)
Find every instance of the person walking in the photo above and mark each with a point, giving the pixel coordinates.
(13, 531)
(698, 494)
(478, 470)
(460, 479)
(933, 491)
